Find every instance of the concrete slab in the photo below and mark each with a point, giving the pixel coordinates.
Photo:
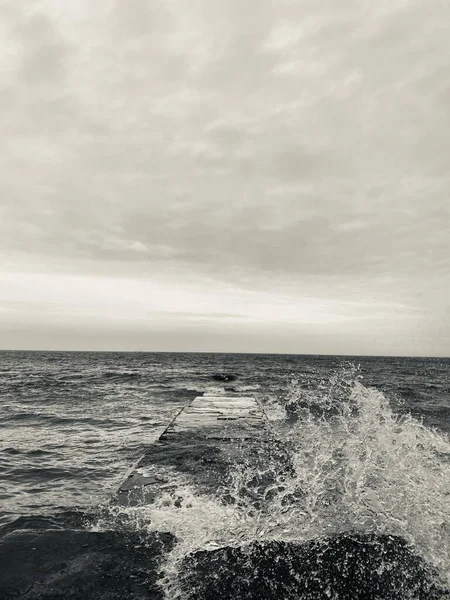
(202, 445)
(206, 412)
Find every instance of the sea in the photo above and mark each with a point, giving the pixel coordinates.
(369, 453)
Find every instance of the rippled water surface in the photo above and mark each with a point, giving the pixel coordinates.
(367, 440)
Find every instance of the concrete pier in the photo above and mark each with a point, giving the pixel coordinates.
(199, 446)
(221, 417)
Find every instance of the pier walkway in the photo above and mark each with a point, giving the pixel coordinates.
(208, 437)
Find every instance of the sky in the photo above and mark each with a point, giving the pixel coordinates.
(239, 176)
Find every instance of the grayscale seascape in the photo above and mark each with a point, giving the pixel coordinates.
(224, 300)
(366, 439)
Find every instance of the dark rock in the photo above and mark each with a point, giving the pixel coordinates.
(226, 377)
(348, 567)
(80, 565)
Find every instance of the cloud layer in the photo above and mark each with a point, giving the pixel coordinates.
(284, 163)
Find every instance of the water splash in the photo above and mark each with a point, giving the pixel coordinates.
(359, 466)
(355, 468)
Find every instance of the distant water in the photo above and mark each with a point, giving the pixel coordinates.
(368, 438)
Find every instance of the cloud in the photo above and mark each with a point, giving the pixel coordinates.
(44, 51)
(278, 146)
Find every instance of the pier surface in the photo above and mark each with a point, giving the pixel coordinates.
(222, 417)
(203, 441)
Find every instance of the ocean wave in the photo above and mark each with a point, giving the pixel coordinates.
(35, 474)
(121, 375)
(356, 468)
(248, 388)
(62, 520)
(78, 421)
(21, 452)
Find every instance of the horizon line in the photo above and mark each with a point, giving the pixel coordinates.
(224, 352)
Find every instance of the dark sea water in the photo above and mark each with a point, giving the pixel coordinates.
(368, 438)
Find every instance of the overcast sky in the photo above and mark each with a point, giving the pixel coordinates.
(236, 175)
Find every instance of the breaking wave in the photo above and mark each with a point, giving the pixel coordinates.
(364, 488)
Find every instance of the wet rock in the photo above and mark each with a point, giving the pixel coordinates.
(351, 567)
(80, 565)
(226, 377)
